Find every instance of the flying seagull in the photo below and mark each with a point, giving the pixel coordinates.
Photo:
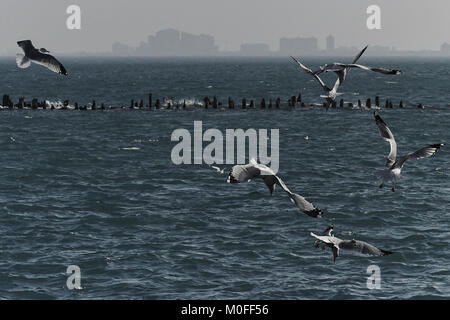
(394, 165)
(31, 54)
(331, 94)
(337, 67)
(327, 239)
(245, 173)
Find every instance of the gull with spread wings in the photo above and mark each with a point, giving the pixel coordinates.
(327, 239)
(38, 56)
(394, 165)
(337, 67)
(331, 94)
(253, 170)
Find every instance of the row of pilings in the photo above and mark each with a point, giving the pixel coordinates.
(207, 103)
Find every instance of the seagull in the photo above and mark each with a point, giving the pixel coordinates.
(245, 173)
(331, 94)
(394, 166)
(37, 56)
(327, 239)
(337, 67)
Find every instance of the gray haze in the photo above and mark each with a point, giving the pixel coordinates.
(406, 24)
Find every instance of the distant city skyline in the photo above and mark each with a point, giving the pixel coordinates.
(405, 24)
(172, 42)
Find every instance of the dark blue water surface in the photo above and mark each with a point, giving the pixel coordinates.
(98, 189)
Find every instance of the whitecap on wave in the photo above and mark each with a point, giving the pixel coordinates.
(130, 148)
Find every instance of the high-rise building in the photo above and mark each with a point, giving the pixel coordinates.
(445, 48)
(331, 45)
(172, 42)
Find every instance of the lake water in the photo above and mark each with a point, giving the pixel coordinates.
(98, 189)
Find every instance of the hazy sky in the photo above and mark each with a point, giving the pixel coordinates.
(406, 24)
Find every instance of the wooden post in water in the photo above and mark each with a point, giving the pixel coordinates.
(21, 103)
(244, 103)
(368, 103)
(293, 100)
(34, 104)
(377, 101)
(263, 103)
(150, 97)
(401, 104)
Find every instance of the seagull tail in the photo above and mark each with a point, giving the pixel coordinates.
(22, 61)
(315, 213)
(385, 252)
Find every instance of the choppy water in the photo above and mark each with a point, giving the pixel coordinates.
(98, 189)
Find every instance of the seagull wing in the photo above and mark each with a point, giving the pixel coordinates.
(428, 151)
(342, 74)
(243, 173)
(359, 54)
(387, 135)
(282, 185)
(341, 77)
(309, 71)
(48, 61)
(324, 239)
(267, 174)
(379, 70)
(270, 182)
(335, 250)
(330, 241)
(305, 206)
(362, 247)
(22, 61)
